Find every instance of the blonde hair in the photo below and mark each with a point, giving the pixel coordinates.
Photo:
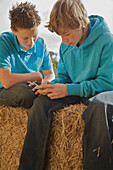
(68, 14)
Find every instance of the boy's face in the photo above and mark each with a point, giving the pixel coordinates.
(26, 37)
(72, 36)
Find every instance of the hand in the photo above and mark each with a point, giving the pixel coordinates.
(36, 87)
(53, 91)
(40, 88)
(38, 76)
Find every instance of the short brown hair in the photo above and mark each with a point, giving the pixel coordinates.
(24, 15)
(68, 14)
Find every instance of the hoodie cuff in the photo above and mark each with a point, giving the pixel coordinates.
(73, 89)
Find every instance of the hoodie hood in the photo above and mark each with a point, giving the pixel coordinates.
(98, 26)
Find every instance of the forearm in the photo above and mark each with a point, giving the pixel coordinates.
(89, 88)
(10, 80)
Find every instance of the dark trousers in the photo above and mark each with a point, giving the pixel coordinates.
(20, 95)
(98, 132)
(98, 136)
(39, 125)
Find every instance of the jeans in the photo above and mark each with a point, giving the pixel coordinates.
(40, 119)
(20, 95)
(98, 133)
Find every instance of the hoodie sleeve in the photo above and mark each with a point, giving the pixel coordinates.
(103, 80)
(62, 75)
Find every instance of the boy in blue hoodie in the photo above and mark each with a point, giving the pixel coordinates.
(84, 70)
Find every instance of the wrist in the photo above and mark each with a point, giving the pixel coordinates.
(66, 89)
(40, 78)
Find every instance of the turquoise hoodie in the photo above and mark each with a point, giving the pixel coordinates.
(88, 69)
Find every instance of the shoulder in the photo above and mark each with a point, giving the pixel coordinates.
(100, 33)
(6, 39)
(40, 42)
(6, 35)
(105, 41)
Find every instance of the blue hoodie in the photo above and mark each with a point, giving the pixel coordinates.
(88, 69)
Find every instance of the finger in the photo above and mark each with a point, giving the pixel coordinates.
(41, 91)
(28, 81)
(53, 95)
(47, 86)
(32, 84)
(37, 93)
(35, 88)
(45, 90)
(44, 94)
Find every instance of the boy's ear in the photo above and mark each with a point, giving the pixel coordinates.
(14, 32)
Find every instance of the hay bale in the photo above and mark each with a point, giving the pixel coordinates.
(13, 123)
(65, 143)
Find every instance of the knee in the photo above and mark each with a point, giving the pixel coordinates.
(20, 95)
(40, 108)
(104, 97)
(24, 94)
(24, 90)
(94, 112)
(42, 102)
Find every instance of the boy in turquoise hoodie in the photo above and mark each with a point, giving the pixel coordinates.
(84, 70)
